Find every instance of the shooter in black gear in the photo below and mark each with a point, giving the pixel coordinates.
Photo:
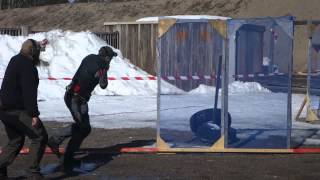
(92, 71)
(19, 109)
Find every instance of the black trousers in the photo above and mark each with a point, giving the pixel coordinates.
(17, 125)
(78, 130)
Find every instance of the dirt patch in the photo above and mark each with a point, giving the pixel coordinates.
(91, 16)
(204, 166)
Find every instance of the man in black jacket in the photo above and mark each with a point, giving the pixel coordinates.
(92, 71)
(19, 109)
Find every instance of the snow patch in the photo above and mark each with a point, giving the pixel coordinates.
(64, 54)
(236, 87)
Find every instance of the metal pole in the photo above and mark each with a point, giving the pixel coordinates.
(309, 57)
(158, 51)
(224, 93)
(289, 104)
(271, 53)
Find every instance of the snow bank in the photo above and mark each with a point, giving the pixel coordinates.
(236, 87)
(203, 89)
(64, 54)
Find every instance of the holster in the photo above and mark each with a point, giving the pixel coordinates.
(1, 106)
(69, 90)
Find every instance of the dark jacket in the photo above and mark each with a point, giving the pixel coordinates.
(20, 85)
(91, 72)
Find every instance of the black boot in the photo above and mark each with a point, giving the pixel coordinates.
(54, 146)
(34, 176)
(3, 173)
(67, 167)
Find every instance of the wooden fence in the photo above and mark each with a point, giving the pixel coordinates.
(11, 31)
(137, 42)
(110, 38)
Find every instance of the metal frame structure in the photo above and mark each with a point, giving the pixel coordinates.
(311, 115)
(164, 25)
(221, 144)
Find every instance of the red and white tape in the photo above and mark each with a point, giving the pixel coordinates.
(196, 77)
(127, 78)
(171, 78)
(111, 78)
(256, 75)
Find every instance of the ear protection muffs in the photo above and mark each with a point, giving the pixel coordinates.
(34, 46)
(107, 51)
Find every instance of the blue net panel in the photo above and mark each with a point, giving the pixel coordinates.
(260, 57)
(305, 128)
(189, 55)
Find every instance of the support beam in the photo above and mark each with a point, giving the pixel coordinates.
(305, 22)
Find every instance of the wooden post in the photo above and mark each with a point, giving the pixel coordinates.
(9, 4)
(152, 45)
(1, 4)
(25, 30)
(117, 28)
(127, 41)
(138, 56)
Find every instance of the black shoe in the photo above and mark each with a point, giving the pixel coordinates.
(69, 166)
(11, 178)
(3, 173)
(68, 169)
(54, 146)
(34, 176)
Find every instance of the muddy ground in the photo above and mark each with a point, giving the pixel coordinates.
(225, 166)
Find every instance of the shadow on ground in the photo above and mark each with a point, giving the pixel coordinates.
(101, 156)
